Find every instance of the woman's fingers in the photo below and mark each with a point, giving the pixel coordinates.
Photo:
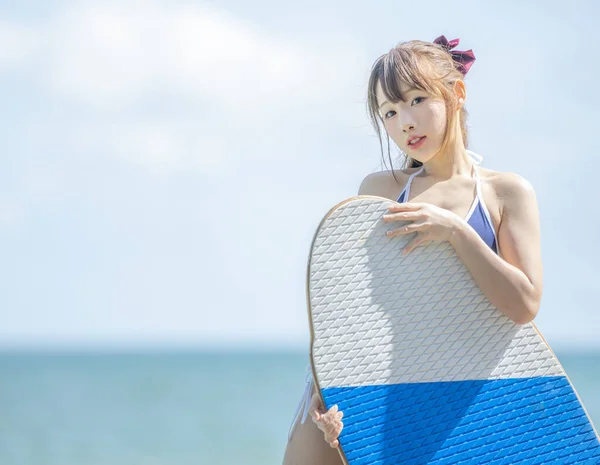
(407, 229)
(406, 207)
(331, 417)
(315, 407)
(403, 216)
(412, 245)
(329, 422)
(332, 436)
(333, 426)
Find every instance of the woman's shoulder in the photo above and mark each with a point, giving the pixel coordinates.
(385, 183)
(506, 185)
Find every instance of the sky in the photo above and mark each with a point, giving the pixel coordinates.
(165, 164)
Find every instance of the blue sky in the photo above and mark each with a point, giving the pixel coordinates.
(165, 164)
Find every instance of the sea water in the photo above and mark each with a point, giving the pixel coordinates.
(170, 408)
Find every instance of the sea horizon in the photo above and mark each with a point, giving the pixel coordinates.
(178, 405)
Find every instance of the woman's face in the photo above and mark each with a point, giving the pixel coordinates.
(421, 115)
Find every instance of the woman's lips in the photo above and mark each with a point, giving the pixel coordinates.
(418, 144)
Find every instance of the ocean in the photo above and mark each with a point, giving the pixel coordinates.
(170, 408)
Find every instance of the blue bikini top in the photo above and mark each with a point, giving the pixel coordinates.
(478, 216)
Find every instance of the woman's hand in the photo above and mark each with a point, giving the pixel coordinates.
(329, 422)
(431, 223)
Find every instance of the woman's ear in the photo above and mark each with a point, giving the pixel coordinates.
(461, 93)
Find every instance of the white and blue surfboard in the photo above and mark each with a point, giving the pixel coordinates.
(424, 368)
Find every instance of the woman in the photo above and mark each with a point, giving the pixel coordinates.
(417, 93)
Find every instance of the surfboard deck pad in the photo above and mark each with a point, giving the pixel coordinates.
(424, 368)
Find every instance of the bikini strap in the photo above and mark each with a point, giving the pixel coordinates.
(406, 190)
(476, 171)
(481, 201)
(477, 159)
(305, 402)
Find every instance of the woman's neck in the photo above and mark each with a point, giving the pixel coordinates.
(453, 162)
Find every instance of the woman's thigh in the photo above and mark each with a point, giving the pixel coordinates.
(307, 446)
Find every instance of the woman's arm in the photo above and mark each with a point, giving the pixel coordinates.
(512, 282)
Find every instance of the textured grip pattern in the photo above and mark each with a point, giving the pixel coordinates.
(425, 369)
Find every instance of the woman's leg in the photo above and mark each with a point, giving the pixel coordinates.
(307, 446)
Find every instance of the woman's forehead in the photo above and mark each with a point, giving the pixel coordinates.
(403, 89)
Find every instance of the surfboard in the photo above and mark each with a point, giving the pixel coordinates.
(424, 367)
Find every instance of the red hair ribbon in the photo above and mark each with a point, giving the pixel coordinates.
(464, 59)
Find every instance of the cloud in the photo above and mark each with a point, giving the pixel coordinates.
(112, 54)
(188, 87)
(19, 44)
(162, 147)
(11, 213)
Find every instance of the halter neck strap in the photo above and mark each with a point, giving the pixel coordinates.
(477, 159)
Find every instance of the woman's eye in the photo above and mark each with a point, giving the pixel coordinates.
(420, 99)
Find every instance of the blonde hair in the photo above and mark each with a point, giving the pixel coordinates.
(422, 65)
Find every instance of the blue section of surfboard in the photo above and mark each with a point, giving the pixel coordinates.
(424, 368)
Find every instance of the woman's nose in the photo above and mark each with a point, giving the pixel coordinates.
(406, 122)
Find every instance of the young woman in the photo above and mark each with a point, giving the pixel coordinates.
(417, 93)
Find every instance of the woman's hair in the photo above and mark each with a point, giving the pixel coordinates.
(422, 65)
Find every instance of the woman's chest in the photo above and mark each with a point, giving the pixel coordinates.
(463, 198)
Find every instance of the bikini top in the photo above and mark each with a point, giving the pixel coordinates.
(478, 216)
